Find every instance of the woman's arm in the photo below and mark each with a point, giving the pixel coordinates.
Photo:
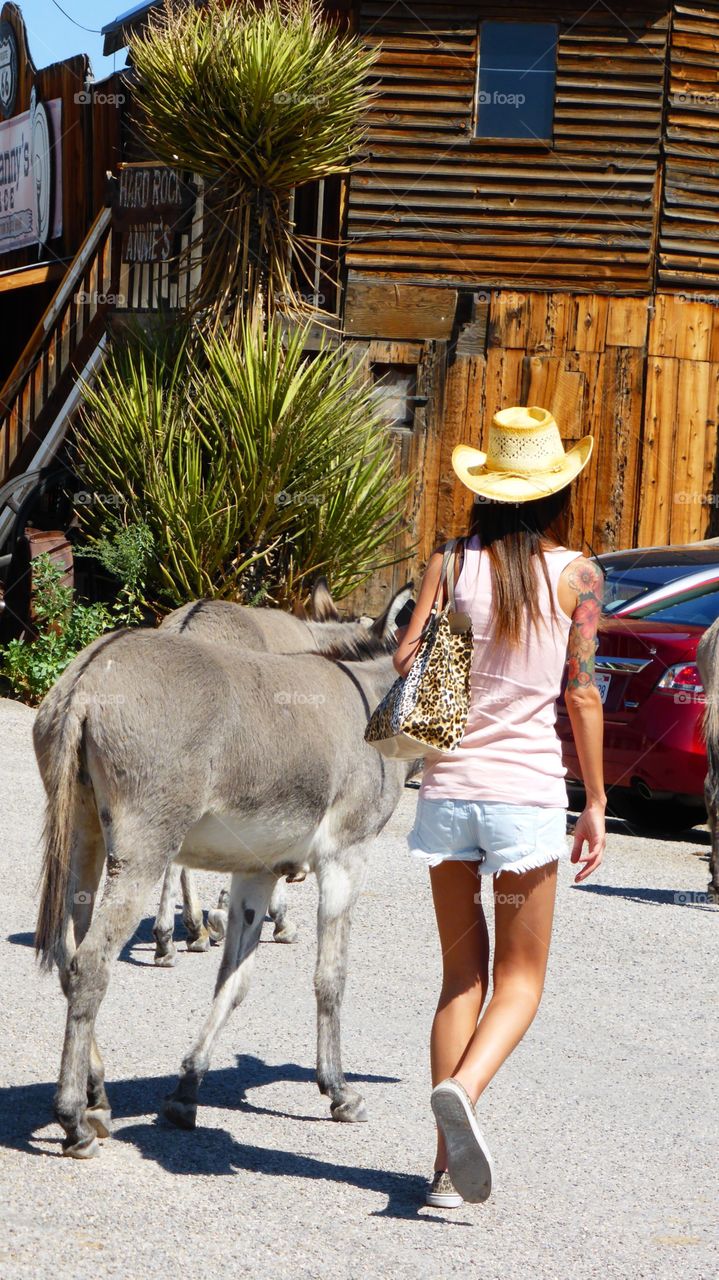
(584, 707)
(406, 650)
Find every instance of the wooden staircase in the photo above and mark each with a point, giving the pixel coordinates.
(64, 352)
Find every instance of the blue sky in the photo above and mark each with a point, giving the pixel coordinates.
(52, 36)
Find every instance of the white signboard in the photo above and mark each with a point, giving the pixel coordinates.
(30, 176)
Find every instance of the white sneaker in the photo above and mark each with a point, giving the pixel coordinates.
(469, 1163)
(440, 1193)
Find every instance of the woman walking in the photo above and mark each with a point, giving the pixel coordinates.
(497, 804)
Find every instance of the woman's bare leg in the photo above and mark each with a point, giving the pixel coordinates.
(465, 969)
(524, 909)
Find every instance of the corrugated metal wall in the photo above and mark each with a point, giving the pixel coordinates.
(430, 202)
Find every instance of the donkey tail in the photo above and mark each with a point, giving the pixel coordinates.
(58, 734)
(710, 734)
(706, 658)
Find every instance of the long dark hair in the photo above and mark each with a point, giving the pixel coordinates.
(514, 535)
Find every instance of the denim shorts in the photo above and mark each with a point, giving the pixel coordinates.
(500, 837)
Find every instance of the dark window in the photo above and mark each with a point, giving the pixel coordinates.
(516, 78)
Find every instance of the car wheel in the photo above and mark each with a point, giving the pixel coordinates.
(576, 797)
(657, 817)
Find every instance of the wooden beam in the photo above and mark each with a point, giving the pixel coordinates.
(385, 309)
(31, 275)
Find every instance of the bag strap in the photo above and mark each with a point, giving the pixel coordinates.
(452, 572)
(448, 573)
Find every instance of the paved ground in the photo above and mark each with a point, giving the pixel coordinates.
(604, 1124)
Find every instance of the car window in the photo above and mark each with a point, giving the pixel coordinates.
(697, 608)
(623, 585)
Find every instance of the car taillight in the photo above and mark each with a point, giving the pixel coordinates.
(684, 676)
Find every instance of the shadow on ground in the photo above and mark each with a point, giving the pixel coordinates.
(623, 827)
(24, 1108)
(142, 937)
(699, 901)
(213, 1152)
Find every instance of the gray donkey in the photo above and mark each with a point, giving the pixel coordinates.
(156, 748)
(266, 631)
(708, 663)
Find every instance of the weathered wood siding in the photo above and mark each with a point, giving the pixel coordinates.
(641, 376)
(688, 245)
(428, 202)
(680, 484)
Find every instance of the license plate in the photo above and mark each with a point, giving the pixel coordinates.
(602, 683)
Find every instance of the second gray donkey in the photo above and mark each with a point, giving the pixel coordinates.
(263, 631)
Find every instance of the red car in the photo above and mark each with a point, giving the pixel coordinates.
(654, 757)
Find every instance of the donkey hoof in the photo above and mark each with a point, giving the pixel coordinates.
(216, 924)
(166, 959)
(98, 1119)
(200, 943)
(288, 933)
(351, 1111)
(85, 1149)
(181, 1114)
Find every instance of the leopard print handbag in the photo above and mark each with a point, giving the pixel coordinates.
(427, 708)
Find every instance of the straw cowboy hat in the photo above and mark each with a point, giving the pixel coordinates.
(525, 458)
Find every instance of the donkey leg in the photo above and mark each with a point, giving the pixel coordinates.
(249, 897)
(285, 930)
(164, 926)
(217, 917)
(338, 886)
(198, 939)
(711, 798)
(85, 983)
(87, 862)
(97, 1112)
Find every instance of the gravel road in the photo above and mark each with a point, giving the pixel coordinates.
(603, 1124)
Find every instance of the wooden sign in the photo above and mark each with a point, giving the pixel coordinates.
(151, 205)
(8, 69)
(144, 189)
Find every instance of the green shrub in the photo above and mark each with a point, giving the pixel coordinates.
(253, 466)
(32, 666)
(127, 555)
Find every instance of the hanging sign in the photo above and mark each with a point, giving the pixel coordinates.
(151, 204)
(30, 176)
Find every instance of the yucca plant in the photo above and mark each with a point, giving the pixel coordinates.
(258, 99)
(254, 467)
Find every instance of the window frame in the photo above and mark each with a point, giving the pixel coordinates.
(478, 140)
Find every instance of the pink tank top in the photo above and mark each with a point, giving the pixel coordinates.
(510, 751)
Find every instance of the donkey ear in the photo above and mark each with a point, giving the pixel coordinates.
(383, 627)
(322, 606)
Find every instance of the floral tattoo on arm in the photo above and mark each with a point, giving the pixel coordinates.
(587, 579)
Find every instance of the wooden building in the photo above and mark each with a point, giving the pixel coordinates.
(59, 135)
(560, 250)
(532, 219)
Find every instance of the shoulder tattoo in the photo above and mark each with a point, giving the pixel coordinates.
(587, 579)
